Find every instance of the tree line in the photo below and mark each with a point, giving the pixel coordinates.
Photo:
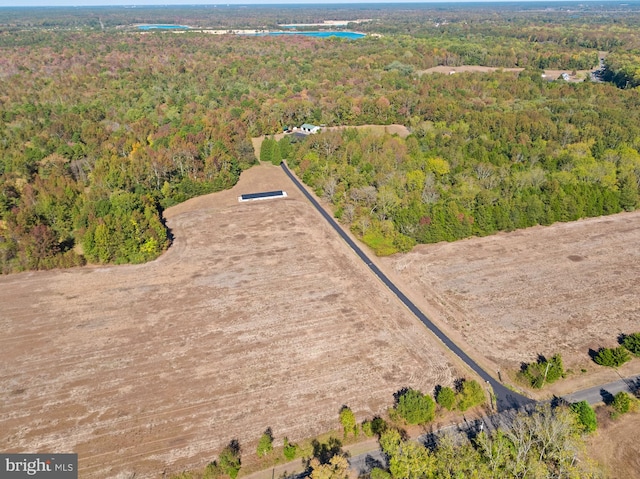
(481, 167)
(547, 441)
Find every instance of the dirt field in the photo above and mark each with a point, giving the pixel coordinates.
(550, 74)
(563, 289)
(615, 445)
(258, 316)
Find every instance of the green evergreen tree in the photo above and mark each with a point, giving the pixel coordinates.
(266, 149)
(446, 397)
(229, 460)
(289, 449)
(348, 421)
(276, 154)
(629, 197)
(632, 343)
(470, 395)
(585, 415)
(285, 148)
(621, 402)
(612, 357)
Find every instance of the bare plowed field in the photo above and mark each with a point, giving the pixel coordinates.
(566, 288)
(258, 316)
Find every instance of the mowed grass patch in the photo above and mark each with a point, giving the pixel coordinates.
(380, 244)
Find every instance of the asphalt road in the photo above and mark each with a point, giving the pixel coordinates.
(364, 462)
(507, 401)
(505, 398)
(605, 392)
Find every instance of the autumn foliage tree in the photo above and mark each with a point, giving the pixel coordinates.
(91, 115)
(348, 421)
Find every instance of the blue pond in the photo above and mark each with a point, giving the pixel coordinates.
(349, 35)
(162, 27)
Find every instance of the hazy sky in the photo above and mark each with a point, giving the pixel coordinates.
(51, 3)
(74, 3)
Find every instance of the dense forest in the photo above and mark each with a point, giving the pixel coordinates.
(499, 153)
(102, 127)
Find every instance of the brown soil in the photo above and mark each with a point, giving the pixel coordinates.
(566, 288)
(615, 445)
(258, 316)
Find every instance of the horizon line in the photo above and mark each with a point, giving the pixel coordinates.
(193, 3)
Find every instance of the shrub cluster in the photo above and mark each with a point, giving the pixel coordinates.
(289, 450)
(375, 426)
(348, 421)
(446, 397)
(265, 444)
(616, 357)
(415, 407)
(621, 403)
(612, 357)
(467, 395)
(543, 371)
(632, 343)
(228, 464)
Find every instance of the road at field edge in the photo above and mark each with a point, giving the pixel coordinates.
(365, 461)
(505, 399)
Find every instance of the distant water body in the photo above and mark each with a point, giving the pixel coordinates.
(163, 27)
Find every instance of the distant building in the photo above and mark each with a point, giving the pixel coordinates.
(262, 196)
(309, 128)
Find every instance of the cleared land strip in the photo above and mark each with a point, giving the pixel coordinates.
(579, 75)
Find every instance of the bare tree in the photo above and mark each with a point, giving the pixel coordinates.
(329, 187)
(429, 191)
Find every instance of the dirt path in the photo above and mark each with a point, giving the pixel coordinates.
(579, 76)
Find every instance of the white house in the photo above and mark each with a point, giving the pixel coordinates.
(308, 128)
